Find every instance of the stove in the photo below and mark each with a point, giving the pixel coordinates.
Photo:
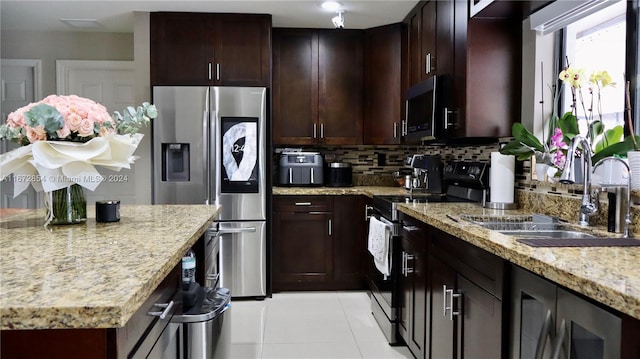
(465, 182)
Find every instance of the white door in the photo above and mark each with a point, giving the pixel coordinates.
(21, 85)
(111, 83)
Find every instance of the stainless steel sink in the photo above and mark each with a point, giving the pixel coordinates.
(532, 225)
(556, 233)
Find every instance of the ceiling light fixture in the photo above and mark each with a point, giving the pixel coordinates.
(338, 20)
(82, 23)
(331, 5)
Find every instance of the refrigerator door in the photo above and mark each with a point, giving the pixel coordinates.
(238, 117)
(243, 258)
(180, 150)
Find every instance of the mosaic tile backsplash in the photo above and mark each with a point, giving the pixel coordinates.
(374, 165)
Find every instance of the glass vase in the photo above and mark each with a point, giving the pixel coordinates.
(67, 205)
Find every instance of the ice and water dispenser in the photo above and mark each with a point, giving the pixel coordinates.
(175, 162)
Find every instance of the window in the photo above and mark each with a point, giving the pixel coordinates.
(596, 43)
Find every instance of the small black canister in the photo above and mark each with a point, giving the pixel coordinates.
(108, 211)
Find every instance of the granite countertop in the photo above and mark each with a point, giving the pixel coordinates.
(608, 275)
(368, 191)
(91, 275)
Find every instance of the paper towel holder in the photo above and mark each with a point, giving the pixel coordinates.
(500, 205)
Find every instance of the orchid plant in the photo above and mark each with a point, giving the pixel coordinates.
(561, 130)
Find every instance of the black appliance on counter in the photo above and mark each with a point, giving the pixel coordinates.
(301, 169)
(465, 182)
(339, 174)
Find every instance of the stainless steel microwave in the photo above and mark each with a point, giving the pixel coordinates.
(427, 109)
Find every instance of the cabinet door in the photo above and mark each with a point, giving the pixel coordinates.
(443, 326)
(586, 331)
(243, 50)
(480, 322)
(428, 39)
(382, 84)
(414, 49)
(302, 250)
(350, 241)
(414, 290)
(340, 79)
(295, 86)
(181, 49)
(533, 314)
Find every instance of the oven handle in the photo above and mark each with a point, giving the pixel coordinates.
(368, 212)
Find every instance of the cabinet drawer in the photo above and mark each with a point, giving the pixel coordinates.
(483, 268)
(302, 204)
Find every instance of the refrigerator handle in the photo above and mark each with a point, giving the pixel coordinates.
(236, 230)
(205, 148)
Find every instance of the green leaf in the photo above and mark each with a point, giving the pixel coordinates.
(619, 149)
(516, 148)
(610, 137)
(521, 134)
(596, 129)
(46, 116)
(568, 124)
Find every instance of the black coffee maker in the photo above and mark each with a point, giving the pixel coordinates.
(427, 173)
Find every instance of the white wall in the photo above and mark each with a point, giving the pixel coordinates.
(536, 49)
(52, 46)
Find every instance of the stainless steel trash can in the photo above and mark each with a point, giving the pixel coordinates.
(206, 325)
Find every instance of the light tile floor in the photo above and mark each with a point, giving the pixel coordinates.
(309, 325)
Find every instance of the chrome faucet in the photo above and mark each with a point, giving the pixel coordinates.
(590, 201)
(627, 215)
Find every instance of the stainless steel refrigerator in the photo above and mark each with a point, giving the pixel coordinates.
(209, 146)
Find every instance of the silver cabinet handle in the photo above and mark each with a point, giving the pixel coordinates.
(404, 263)
(314, 130)
(330, 227)
(163, 314)
(303, 203)
(447, 112)
(395, 130)
(407, 270)
(322, 130)
(218, 72)
(449, 292)
(557, 349)
(427, 63)
(545, 332)
(209, 76)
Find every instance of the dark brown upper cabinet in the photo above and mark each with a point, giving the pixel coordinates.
(210, 49)
(383, 85)
(317, 87)
(480, 56)
(429, 40)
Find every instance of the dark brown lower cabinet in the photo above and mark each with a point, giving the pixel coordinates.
(452, 305)
(551, 322)
(303, 249)
(319, 243)
(415, 301)
(467, 308)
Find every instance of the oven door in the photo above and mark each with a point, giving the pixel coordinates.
(385, 289)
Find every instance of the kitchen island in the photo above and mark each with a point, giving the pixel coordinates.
(91, 275)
